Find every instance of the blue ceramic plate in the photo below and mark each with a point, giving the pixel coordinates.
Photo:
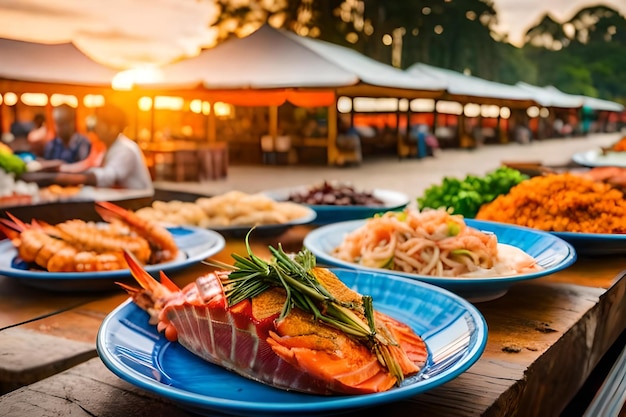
(195, 245)
(453, 329)
(552, 254)
(595, 243)
(596, 158)
(392, 201)
(266, 229)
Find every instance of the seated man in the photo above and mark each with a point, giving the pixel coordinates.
(96, 154)
(68, 145)
(123, 163)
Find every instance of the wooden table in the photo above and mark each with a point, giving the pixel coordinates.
(545, 338)
(187, 160)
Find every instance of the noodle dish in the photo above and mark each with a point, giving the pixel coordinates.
(465, 256)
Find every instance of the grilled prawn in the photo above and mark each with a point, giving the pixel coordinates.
(79, 246)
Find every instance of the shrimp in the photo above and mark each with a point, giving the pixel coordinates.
(158, 236)
(77, 246)
(92, 237)
(37, 244)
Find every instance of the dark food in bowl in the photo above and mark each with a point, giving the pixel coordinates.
(335, 194)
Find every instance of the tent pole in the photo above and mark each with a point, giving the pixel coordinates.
(134, 100)
(331, 147)
(352, 112)
(152, 117)
(273, 127)
(401, 148)
(211, 128)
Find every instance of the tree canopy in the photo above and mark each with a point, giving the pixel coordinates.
(583, 55)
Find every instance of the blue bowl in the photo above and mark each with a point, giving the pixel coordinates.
(551, 252)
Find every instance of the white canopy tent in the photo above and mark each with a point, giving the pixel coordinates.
(49, 69)
(602, 105)
(467, 88)
(271, 66)
(271, 58)
(470, 91)
(51, 64)
(551, 96)
(372, 73)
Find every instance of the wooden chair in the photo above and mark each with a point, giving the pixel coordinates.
(213, 161)
(186, 165)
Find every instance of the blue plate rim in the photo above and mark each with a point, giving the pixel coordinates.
(591, 236)
(334, 403)
(8, 251)
(569, 258)
(595, 244)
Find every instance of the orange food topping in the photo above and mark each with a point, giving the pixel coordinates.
(560, 203)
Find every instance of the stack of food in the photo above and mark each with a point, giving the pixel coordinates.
(234, 208)
(335, 194)
(466, 196)
(431, 242)
(286, 323)
(80, 246)
(560, 203)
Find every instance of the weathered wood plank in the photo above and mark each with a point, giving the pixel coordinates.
(88, 389)
(27, 356)
(585, 271)
(20, 303)
(496, 384)
(551, 381)
(91, 389)
(80, 323)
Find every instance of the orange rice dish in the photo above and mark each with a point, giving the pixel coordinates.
(560, 203)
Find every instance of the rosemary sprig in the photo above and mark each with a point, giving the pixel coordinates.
(251, 276)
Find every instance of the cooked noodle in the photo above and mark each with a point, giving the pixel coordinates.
(431, 242)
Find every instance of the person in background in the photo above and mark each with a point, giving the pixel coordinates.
(348, 144)
(18, 133)
(68, 145)
(123, 163)
(425, 142)
(96, 154)
(38, 136)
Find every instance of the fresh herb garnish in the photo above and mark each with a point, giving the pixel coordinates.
(251, 276)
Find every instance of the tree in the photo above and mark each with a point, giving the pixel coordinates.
(455, 35)
(583, 55)
(514, 65)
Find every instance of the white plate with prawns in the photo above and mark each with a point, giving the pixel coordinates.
(80, 255)
(194, 245)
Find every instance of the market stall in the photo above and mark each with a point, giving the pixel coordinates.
(271, 67)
